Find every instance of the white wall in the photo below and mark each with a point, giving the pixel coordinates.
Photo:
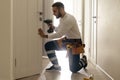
(5, 40)
(108, 45)
(108, 40)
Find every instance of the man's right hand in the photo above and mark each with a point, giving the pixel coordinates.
(41, 33)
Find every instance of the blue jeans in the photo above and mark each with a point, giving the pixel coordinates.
(75, 63)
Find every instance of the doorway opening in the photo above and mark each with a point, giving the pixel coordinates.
(75, 8)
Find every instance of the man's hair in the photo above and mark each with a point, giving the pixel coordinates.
(58, 5)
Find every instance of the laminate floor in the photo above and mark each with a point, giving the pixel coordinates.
(65, 74)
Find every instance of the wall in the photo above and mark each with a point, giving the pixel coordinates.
(108, 40)
(5, 40)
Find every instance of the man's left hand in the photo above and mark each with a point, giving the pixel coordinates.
(41, 33)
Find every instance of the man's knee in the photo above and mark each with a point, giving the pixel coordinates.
(74, 61)
(75, 69)
(48, 45)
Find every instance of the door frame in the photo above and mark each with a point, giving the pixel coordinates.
(93, 32)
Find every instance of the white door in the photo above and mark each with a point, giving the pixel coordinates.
(27, 43)
(93, 32)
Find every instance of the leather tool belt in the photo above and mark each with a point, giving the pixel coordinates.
(76, 49)
(73, 44)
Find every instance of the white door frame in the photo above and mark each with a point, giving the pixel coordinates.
(93, 32)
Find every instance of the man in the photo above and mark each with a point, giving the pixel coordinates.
(67, 27)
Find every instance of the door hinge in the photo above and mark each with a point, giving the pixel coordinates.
(15, 62)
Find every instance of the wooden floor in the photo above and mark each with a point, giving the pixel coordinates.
(65, 74)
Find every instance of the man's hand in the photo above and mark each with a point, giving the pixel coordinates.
(41, 33)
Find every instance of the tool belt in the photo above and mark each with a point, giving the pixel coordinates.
(76, 49)
(72, 44)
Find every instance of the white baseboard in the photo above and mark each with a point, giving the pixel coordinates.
(104, 72)
(44, 57)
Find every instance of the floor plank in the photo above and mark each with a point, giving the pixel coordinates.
(65, 74)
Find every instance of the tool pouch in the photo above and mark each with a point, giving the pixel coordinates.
(76, 49)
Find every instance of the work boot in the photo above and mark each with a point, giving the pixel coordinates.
(54, 68)
(84, 58)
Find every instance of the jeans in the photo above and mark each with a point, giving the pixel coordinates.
(75, 63)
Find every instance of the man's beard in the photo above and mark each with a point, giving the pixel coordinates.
(59, 15)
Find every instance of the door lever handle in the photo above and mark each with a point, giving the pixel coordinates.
(40, 19)
(40, 13)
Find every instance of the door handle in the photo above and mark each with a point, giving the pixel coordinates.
(41, 13)
(40, 19)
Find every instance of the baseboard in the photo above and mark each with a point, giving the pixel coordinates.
(104, 72)
(44, 57)
(101, 69)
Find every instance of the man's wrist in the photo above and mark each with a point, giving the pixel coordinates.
(45, 36)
